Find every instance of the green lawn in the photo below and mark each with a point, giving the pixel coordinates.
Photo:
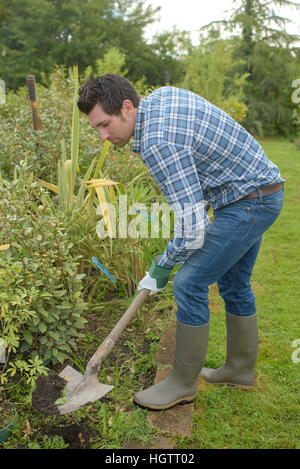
(269, 415)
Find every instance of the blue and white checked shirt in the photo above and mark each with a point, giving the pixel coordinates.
(196, 152)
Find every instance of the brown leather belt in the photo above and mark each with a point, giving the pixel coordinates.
(268, 190)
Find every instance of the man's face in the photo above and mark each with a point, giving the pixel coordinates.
(117, 129)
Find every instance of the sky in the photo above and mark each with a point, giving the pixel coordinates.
(190, 15)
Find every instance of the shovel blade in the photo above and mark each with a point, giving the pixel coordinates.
(81, 391)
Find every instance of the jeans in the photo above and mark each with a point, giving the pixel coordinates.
(231, 245)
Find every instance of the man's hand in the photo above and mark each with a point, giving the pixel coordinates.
(150, 284)
(156, 279)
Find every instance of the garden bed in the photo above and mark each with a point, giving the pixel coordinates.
(128, 367)
(75, 435)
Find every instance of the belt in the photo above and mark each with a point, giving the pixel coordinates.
(267, 190)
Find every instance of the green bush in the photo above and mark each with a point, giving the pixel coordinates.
(42, 148)
(41, 290)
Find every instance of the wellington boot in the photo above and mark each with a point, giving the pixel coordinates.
(242, 342)
(181, 385)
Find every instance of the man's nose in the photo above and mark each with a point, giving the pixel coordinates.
(103, 134)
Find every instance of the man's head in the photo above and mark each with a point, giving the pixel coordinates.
(110, 102)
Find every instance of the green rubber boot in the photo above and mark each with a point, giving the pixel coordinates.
(242, 343)
(181, 385)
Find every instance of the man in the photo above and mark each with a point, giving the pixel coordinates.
(196, 152)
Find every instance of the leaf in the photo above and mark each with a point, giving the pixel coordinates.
(42, 327)
(4, 246)
(35, 321)
(68, 174)
(100, 183)
(103, 155)
(28, 337)
(48, 354)
(59, 293)
(45, 295)
(58, 355)
(48, 185)
(61, 401)
(75, 130)
(79, 276)
(106, 215)
(27, 430)
(54, 336)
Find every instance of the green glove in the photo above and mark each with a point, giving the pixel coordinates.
(161, 274)
(157, 277)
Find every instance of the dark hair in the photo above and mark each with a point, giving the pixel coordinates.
(108, 90)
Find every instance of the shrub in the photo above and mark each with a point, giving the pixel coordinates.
(40, 300)
(42, 148)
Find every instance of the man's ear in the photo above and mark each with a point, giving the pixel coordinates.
(127, 105)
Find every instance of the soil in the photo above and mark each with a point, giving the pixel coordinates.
(76, 435)
(48, 390)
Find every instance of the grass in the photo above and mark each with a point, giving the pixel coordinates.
(266, 417)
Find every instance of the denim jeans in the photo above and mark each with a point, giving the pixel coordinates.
(231, 245)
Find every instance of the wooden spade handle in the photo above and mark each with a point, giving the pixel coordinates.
(106, 346)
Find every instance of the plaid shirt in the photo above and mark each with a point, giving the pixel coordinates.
(196, 152)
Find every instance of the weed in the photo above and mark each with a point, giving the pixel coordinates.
(48, 442)
(118, 426)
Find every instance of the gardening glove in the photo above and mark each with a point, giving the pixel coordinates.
(157, 278)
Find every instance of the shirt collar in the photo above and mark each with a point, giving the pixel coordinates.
(140, 116)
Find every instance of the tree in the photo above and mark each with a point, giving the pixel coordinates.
(171, 48)
(267, 53)
(36, 35)
(209, 73)
(257, 20)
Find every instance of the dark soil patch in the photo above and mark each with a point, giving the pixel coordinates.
(76, 435)
(48, 390)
